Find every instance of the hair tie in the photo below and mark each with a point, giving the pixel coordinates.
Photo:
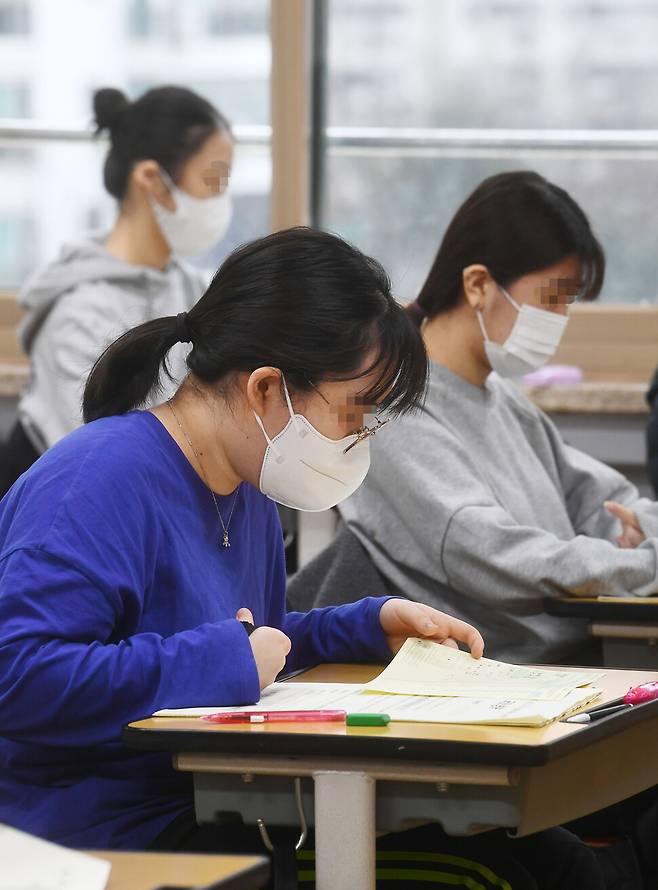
(182, 329)
(418, 309)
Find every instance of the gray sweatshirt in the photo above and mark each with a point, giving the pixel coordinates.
(476, 506)
(76, 307)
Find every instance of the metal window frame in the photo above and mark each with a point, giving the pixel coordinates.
(395, 138)
(34, 131)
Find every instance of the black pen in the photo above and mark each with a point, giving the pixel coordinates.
(597, 714)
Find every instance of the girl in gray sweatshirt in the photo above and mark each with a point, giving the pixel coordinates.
(168, 165)
(476, 505)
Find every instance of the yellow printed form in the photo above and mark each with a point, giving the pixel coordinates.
(422, 667)
(403, 708)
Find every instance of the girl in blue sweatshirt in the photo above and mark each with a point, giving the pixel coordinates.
(131, 550)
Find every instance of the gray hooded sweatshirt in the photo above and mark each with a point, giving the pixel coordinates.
(476, 505)
(76, 307)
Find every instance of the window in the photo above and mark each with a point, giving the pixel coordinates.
(14, 17)
(152, 20)
(245, 17)
(60, 182)
(14, 100)
(16, 232)
(480, 66)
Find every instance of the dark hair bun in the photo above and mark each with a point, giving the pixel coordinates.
(167, 124)
(109, 105)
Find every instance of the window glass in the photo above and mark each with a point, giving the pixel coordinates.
(49, 72)
(491, 64)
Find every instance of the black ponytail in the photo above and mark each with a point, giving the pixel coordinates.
(109, 106)
(167, 124)
(129, 371)
(514, 224)
(300, 300)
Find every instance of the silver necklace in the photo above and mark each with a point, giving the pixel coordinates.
(225, 540)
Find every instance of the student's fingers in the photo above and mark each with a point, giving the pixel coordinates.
(623, 514)
(634, 537)
(244, 615)
(452, 644)
(453, 628)
(270, 648)
(401, 618)
(465, 633)
(631, 531)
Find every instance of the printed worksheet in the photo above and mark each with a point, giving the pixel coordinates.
(29, 863)
(422, 667)
(353, 698)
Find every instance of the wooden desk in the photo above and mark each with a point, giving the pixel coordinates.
(147, 871)
(469, 778)
(627, 627)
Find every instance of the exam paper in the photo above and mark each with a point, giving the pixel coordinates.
(421, 667)
(29, 863)
(651, 599)
(353, 698)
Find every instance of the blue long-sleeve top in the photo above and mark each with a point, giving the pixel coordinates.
(116, 599)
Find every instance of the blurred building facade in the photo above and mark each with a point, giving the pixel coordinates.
(517, 64)
(55, 53)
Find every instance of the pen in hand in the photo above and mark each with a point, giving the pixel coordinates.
(270, 648)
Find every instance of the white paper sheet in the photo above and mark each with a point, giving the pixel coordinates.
(423, 668)
(28, 863)
(423, 709)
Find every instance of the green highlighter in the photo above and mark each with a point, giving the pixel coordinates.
(367, 720)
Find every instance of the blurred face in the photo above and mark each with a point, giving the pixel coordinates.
(207, 172)
(552, 289)
(336, 408)
(204, 175)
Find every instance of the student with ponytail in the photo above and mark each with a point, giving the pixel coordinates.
(167, 166)
(490, 510)
(132, 552)
(133, 549)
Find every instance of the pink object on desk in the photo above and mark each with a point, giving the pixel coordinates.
(554, 375)
(277, 717)
(639, 694)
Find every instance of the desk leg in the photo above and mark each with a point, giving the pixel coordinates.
(344, 831)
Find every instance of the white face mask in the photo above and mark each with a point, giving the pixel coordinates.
(307, 471)
(197, 224)
(533, 341)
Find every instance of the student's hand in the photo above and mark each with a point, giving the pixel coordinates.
(270, 648)
(401, 619)
(631, 533)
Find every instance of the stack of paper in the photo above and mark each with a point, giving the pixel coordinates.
(29, 863)
(416, 708)
(428, 683)
(423, 668)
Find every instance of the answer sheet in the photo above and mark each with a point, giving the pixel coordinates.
(29, 863)
(422, 667)
(353, 698)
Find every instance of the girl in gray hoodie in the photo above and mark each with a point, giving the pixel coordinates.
(476, 505)
(168, 167)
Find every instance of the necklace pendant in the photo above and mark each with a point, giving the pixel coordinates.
(226, 542)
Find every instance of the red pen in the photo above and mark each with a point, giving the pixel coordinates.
(636, 695)
(277, 717)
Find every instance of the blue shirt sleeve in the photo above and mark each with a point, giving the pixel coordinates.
(346, 633)
(60, 673)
